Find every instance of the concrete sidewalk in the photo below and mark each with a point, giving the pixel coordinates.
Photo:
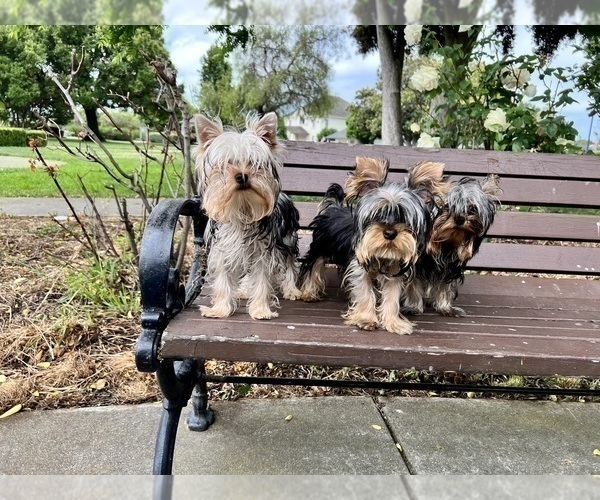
(328, 435)
(44, 207)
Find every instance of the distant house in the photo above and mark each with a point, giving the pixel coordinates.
(301, 127)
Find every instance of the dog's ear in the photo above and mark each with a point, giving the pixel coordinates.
(369, 174)
(207, 130)
(491, 185)
(427, 179)
(266, 129)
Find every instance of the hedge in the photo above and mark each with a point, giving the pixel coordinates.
(20, 137)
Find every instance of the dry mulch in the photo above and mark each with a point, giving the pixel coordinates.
(55, 352)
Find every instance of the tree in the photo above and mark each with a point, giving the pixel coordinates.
(99, 63)
(325, 132)
(75, 12)
(24, 89)
(364, 116)
(281, 69)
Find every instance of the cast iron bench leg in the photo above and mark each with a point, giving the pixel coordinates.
(176, 380)
(201, 416)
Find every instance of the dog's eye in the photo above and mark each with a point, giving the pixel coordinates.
(471, 210)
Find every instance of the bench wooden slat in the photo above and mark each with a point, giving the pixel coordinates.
(529, 192)
(515, 257)
(458, 161)
(523, 225)
(534, 346)
(537, 258)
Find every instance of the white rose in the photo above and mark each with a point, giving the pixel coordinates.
(530, 90)
(496, 121)
(514, 78)
(425, 78)
(464, 3)
(414, 127)
(561, 141)
(412, 10)
(426, 141)
(476, 69)
(412, 33)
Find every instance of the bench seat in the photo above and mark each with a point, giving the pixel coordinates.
(523, 326)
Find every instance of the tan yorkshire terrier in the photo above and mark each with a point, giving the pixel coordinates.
(252, 232)
(462, 213)
(375, 242)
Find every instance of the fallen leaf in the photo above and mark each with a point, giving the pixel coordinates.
(470, 394)
(399, 446)
(99, 384)
(12, 411)
(270, 365)
(596, 451)
(35, 393)
(288, 418)
(376, 427)
(2, 379)
(553, 397)
(44, 364)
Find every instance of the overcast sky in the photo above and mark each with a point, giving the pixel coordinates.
(188, 43)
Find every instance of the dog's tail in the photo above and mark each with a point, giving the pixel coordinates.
(333, 196)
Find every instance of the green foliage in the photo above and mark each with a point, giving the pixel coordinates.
(108, 284)
(588, 79)
(325, 132)
(281, 69)
(20, 137)
(108, 57)
(364, 116)
(491, 103)
(71, 12)
(127, 121)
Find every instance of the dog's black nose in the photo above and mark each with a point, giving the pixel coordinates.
(241, 179)
(459, 219)
(390, 234)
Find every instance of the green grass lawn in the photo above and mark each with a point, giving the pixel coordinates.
(37, 183)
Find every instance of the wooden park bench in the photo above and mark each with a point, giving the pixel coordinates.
(532, 293)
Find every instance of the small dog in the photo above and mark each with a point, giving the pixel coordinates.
(375, 241)
(462, 213)
(252, 232)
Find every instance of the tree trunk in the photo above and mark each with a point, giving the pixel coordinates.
(91, 118)
(392, 63)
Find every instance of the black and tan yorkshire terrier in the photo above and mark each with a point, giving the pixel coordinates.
(252, 232)
(374, 232)
(462, 213)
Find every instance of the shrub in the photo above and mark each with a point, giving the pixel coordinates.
(20, 137)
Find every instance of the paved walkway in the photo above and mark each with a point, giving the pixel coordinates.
(326, 435)
(44, 207)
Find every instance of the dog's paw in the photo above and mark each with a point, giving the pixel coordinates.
(311, 297)
(455, 312)
(415, 311)
(215, 312)
(262, 313)
(293, 294)
(398, 325)
(364, 322)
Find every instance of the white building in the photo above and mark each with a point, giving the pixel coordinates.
(305, 128)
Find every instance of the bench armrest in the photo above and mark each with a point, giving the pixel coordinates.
(162, 293)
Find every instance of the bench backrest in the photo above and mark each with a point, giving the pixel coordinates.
(535, 188)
